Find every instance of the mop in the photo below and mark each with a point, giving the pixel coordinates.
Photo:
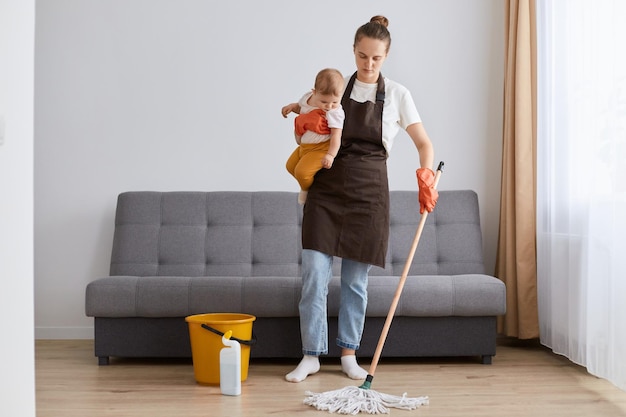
(353, 400)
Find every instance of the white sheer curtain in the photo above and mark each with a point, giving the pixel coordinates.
(581, 190)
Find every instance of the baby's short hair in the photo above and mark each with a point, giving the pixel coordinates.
(329, 81)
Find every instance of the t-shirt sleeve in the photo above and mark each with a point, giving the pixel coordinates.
(407, 111)
(335, 118)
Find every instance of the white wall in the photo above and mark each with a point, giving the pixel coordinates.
(186, 95)
(17, 368)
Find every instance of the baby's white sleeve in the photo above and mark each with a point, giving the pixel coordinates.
(335, 118)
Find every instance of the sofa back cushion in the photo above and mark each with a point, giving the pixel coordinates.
(451, 241)
(206, 234)
(239, 233)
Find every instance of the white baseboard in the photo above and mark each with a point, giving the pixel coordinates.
(63, 333)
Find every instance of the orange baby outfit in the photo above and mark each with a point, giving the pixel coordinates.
(315, 121)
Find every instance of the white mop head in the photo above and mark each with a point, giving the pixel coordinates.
(353, 400)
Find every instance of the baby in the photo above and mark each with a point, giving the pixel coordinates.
(317, 128)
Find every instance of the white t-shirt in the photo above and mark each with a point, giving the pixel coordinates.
(398, 111)
(334, 118)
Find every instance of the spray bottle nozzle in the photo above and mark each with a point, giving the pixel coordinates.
(226, 340)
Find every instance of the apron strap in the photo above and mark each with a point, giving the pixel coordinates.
(380, 92)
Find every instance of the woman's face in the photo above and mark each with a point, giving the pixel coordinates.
(369, 55)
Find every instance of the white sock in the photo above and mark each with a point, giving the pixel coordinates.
(302, 197)
(350, 367)
(307, 366)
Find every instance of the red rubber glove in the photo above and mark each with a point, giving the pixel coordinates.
(428, 194)
(314, 121)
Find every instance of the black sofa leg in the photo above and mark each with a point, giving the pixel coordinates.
(103, 360)
(486, 359)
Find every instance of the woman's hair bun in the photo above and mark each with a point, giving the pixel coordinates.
(381, 20)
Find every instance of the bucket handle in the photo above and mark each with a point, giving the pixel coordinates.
(217, 332)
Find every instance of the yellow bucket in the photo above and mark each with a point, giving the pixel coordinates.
(205, 334)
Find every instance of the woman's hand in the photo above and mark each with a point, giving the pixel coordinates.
(428, 194)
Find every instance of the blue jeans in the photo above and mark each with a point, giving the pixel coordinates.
(316, 275)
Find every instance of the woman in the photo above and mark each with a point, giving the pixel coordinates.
(347, 209)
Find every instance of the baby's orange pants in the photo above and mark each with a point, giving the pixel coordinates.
(305, 161)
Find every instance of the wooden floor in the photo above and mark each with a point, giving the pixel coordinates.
(525, 379)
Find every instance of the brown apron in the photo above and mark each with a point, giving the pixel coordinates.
(347, 208)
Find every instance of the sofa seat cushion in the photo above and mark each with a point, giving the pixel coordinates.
(162, 296)
(438, 296)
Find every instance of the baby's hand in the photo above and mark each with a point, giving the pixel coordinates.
(289, 108)
(327, 161)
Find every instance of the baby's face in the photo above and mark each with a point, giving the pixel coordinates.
(325, 101)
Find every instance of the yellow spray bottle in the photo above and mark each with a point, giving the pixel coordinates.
(230, 366)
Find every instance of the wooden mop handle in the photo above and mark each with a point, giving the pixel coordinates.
(405, 272)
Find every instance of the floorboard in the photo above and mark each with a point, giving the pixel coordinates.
(525, 379)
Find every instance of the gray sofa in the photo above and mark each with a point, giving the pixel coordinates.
(177, 254)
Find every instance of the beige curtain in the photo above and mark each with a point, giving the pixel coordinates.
(516, 261)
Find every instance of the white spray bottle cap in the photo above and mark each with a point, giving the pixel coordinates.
(227, 341)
